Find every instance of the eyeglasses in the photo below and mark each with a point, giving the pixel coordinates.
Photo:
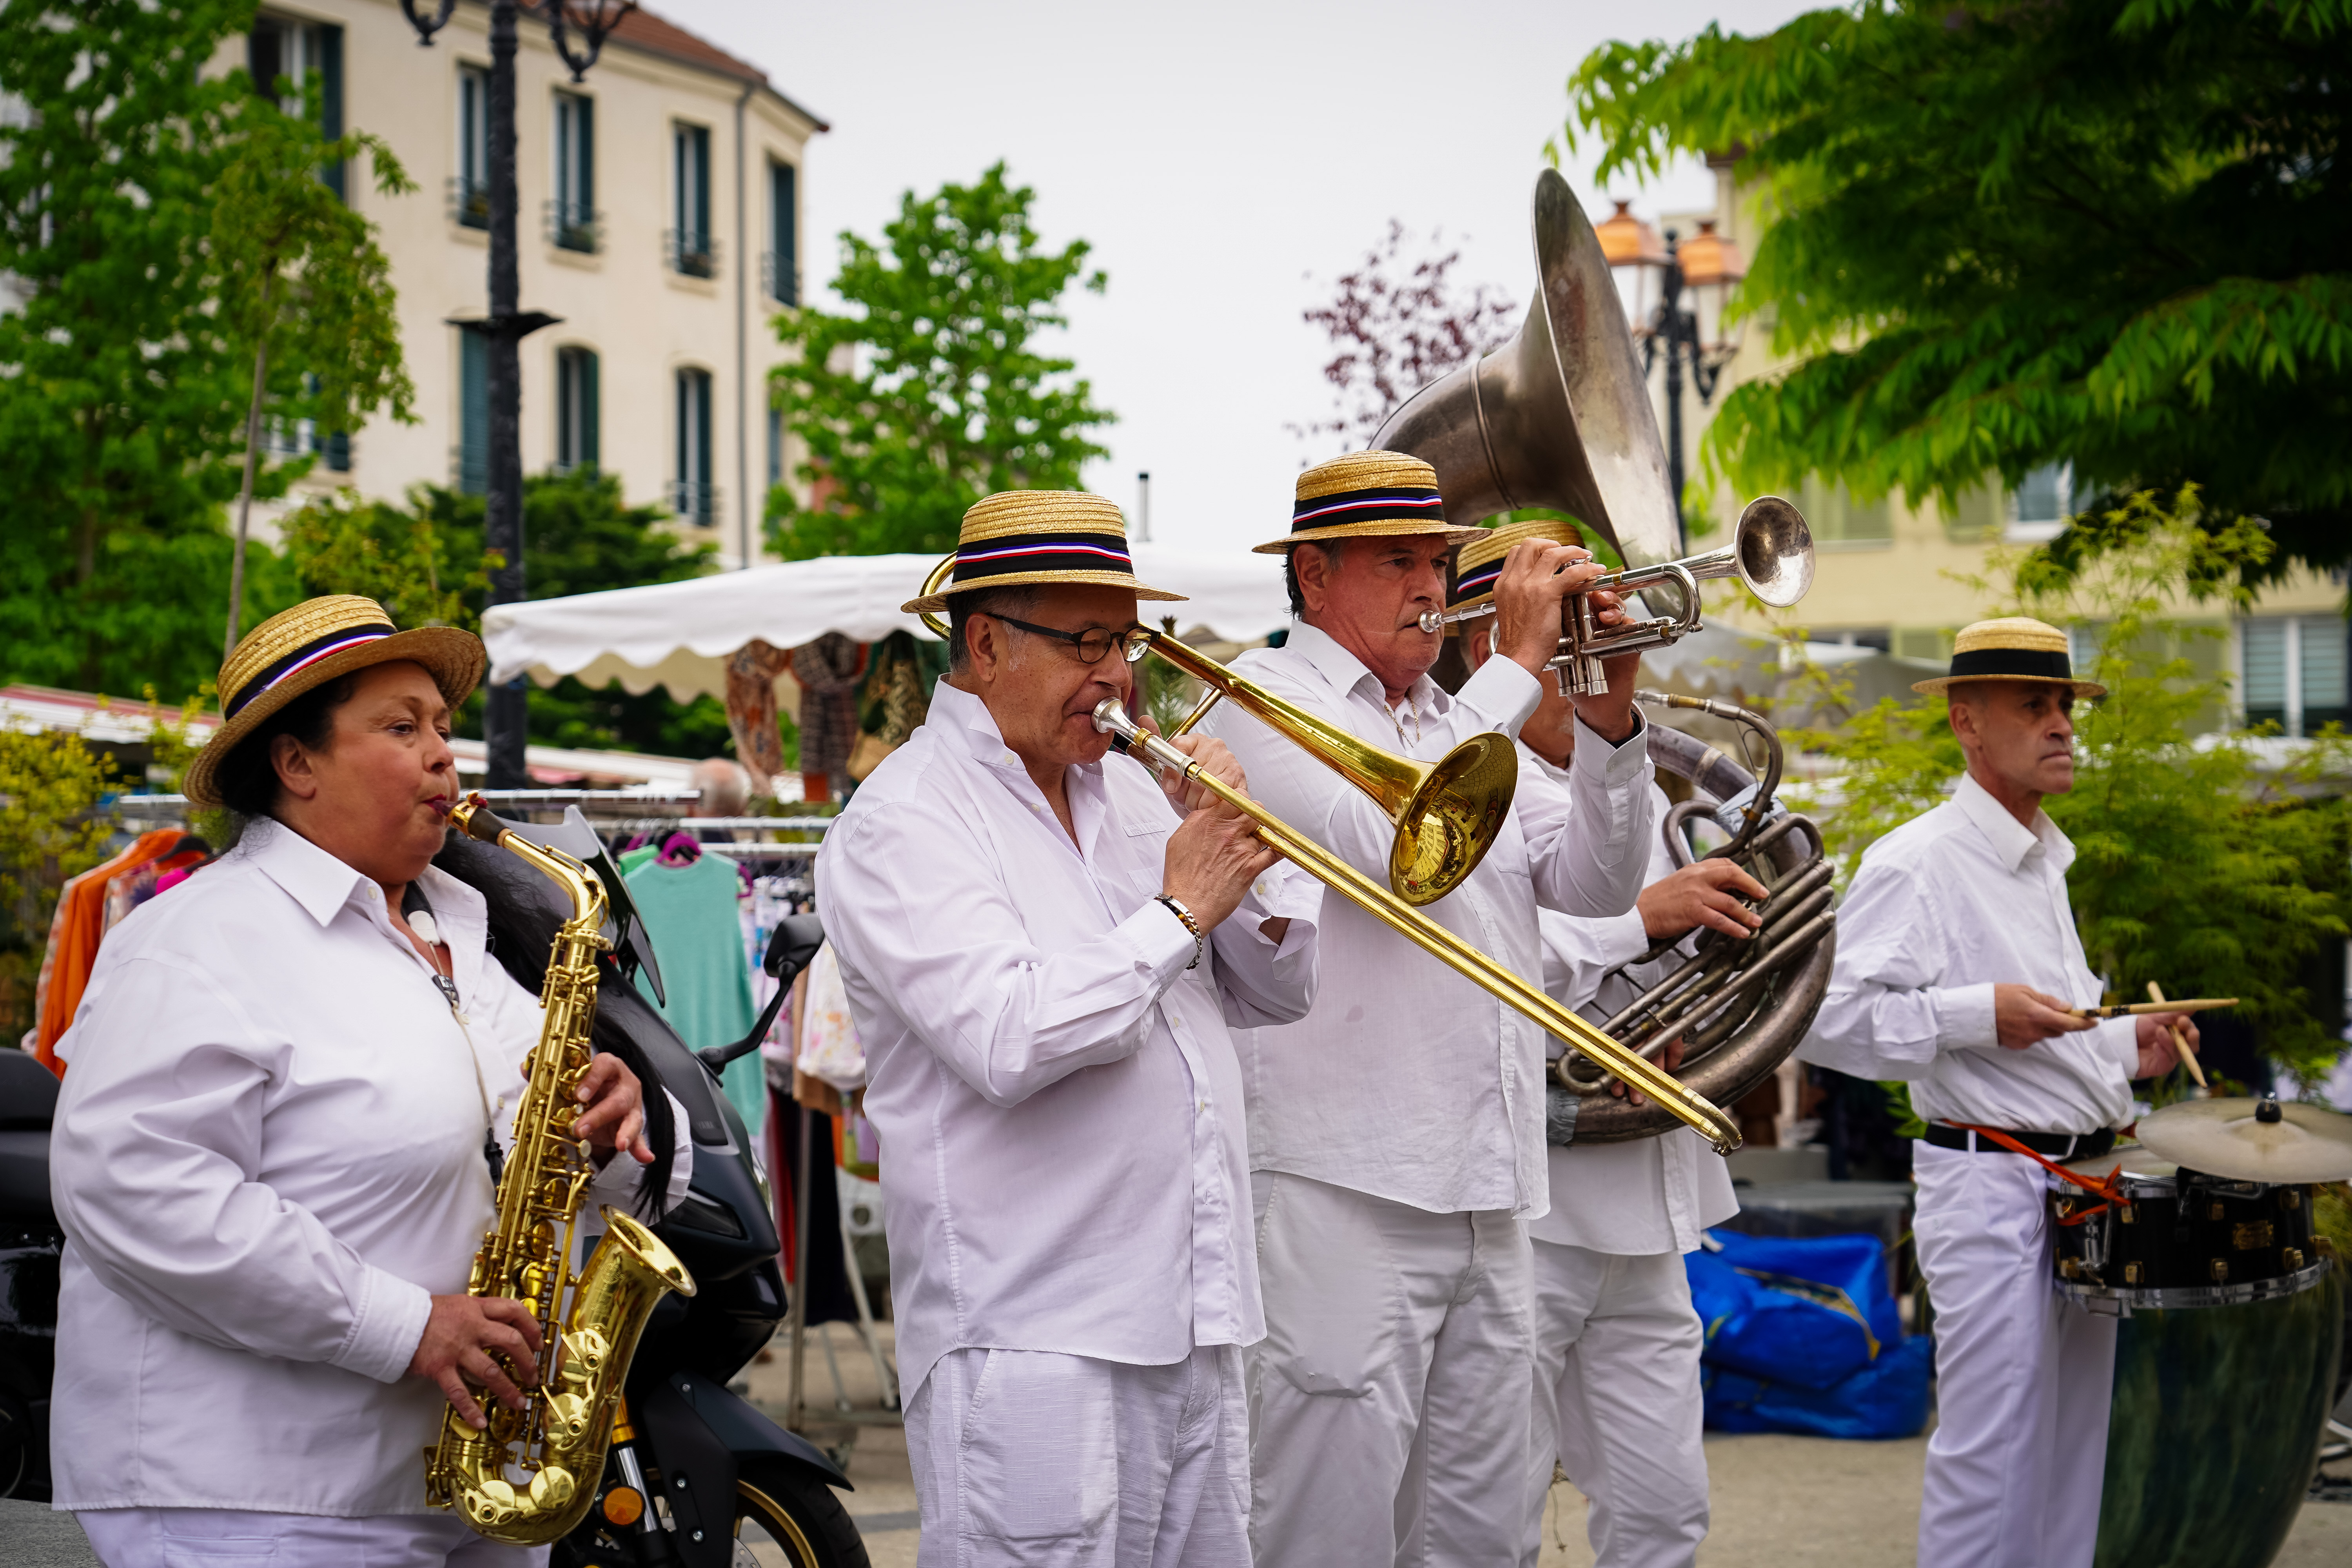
(1092, 643)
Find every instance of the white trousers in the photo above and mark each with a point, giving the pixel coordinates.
(1388, 1401)
(232, 1538)
(1063, 1461)
(1617, 1398)
(2024, 1376)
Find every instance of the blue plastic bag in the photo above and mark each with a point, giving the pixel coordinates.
(1888, 1398)
(1808, 1312)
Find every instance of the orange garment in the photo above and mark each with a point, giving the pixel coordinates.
(74, 936)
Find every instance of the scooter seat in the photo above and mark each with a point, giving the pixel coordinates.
(29, 1092)
(25, 1178)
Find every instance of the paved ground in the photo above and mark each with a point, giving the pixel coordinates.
(1778, 1501)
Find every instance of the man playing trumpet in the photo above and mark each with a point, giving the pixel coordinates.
(1397, 1133)
(1617, 1397)
(1043, 953)
(1958, 969)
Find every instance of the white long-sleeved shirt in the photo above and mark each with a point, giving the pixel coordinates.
(1408, 1082)
(1947, 906)
(1646, 1194)
(1055, 1093)
(267, 1158)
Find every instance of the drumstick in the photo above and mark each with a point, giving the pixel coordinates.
(2180, 1040)
(2135, 1009)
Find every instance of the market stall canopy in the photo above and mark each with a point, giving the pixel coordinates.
(679, 634)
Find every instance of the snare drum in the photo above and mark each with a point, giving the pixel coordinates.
(2180, 1238)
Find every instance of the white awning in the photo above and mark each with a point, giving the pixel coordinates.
(679, 634)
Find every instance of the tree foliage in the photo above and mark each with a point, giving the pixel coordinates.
(2001, 235)
(1397, 323)
(934, 393)
(2202, 862)
(127, 178)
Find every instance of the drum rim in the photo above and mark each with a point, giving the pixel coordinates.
(2186, 1297)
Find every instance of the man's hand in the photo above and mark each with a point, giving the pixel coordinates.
(1213, 857)
(1701, 894)
(2156, 1056)
(614, 1113)
(462, 1336)
(2020, 1015)
(1672, 1061)
(1216, 760)
(1536, 577)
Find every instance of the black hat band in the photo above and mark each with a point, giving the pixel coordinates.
(1393, 505)
(1019, 552)
(2032, 664)
(302, 659)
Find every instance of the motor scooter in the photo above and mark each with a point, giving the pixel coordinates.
(30, 1243)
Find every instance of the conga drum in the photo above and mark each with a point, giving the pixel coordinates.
(2226, 1358)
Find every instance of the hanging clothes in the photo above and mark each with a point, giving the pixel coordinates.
(78, 926)
(894, 697)
(690, 913)
(828, 669)
(751, 672)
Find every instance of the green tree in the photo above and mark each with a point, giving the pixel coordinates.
(425, 564)
(934, 394)
(2109, 232)
(2198, 863)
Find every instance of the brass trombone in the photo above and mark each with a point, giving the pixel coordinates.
(1446, 813)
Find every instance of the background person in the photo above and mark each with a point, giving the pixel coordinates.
(1958, 962)
(1043, 953)
(1617, 1396)
(268, 1154)
(1397, 1132)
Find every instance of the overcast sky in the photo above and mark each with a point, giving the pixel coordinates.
(1226, 161)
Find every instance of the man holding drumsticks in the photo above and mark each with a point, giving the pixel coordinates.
(1958, 969)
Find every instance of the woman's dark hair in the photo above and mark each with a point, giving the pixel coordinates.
(246, 778)
(524, 911)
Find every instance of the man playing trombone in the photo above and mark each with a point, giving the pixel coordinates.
(1043, 953)
(1617, 1397)
(1397, 1132)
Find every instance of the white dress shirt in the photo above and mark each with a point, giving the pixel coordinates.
(1408, 1082)
(1944, 908)
(1055, 1092)
(1646, 1194)
(268, 1157)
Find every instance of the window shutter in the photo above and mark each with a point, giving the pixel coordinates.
(330, 84)
(588, 442)
(702, 185)
(786, 287)
(474, 413)
(702, 438)
(583, 119)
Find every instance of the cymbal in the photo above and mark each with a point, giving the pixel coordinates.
(2234, 1138)
(2128, 1160)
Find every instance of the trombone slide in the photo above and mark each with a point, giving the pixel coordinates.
(1709, 1118)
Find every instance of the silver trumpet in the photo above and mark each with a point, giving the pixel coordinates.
(1772, 551)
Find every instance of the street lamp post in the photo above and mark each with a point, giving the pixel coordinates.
(1689, 335)
(505, 711)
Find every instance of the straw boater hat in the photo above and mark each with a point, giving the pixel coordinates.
(1480, 561)
(316, 641)
(2014, 647)
(1364, 494)
(1017, 537)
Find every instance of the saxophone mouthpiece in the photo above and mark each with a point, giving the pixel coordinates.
(471, 816)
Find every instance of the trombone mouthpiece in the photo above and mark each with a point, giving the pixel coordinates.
(1433, 621)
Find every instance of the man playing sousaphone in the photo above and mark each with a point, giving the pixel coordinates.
(1958, 969)
(1617, 1397)
(1397, 1133)
(1043, 953)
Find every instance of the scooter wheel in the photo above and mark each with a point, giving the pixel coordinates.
(783, 1510)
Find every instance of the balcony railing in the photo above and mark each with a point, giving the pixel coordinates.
(573, 225)
(779, 278)
(690, 253)
(469, 202)
(694, 501)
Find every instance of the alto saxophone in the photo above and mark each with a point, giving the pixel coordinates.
(531, 1477)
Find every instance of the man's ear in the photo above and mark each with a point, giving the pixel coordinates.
(1316, 564)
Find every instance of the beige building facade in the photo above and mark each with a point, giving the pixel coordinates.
(658, 218)
(1893, 575)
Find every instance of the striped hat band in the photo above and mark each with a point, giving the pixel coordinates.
(300, 658)
(1478, 580)
(1394, 504)
(1007, 554)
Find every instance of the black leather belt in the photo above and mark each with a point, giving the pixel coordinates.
(2049, 1146)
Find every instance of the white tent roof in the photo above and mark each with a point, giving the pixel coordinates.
(679, 634)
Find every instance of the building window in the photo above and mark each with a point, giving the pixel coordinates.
(307, 56)
(473, 413)
(1978, 517)
(2293, 670)
(692, 496)
(572, 221)
(1932, 644)
(692, 249)
(2039, 507)
(575, 408)
(780, 268)
(1838, 521)
(469, 187)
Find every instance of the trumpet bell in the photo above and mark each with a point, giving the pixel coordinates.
(1449, 822)
(1775, 551)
